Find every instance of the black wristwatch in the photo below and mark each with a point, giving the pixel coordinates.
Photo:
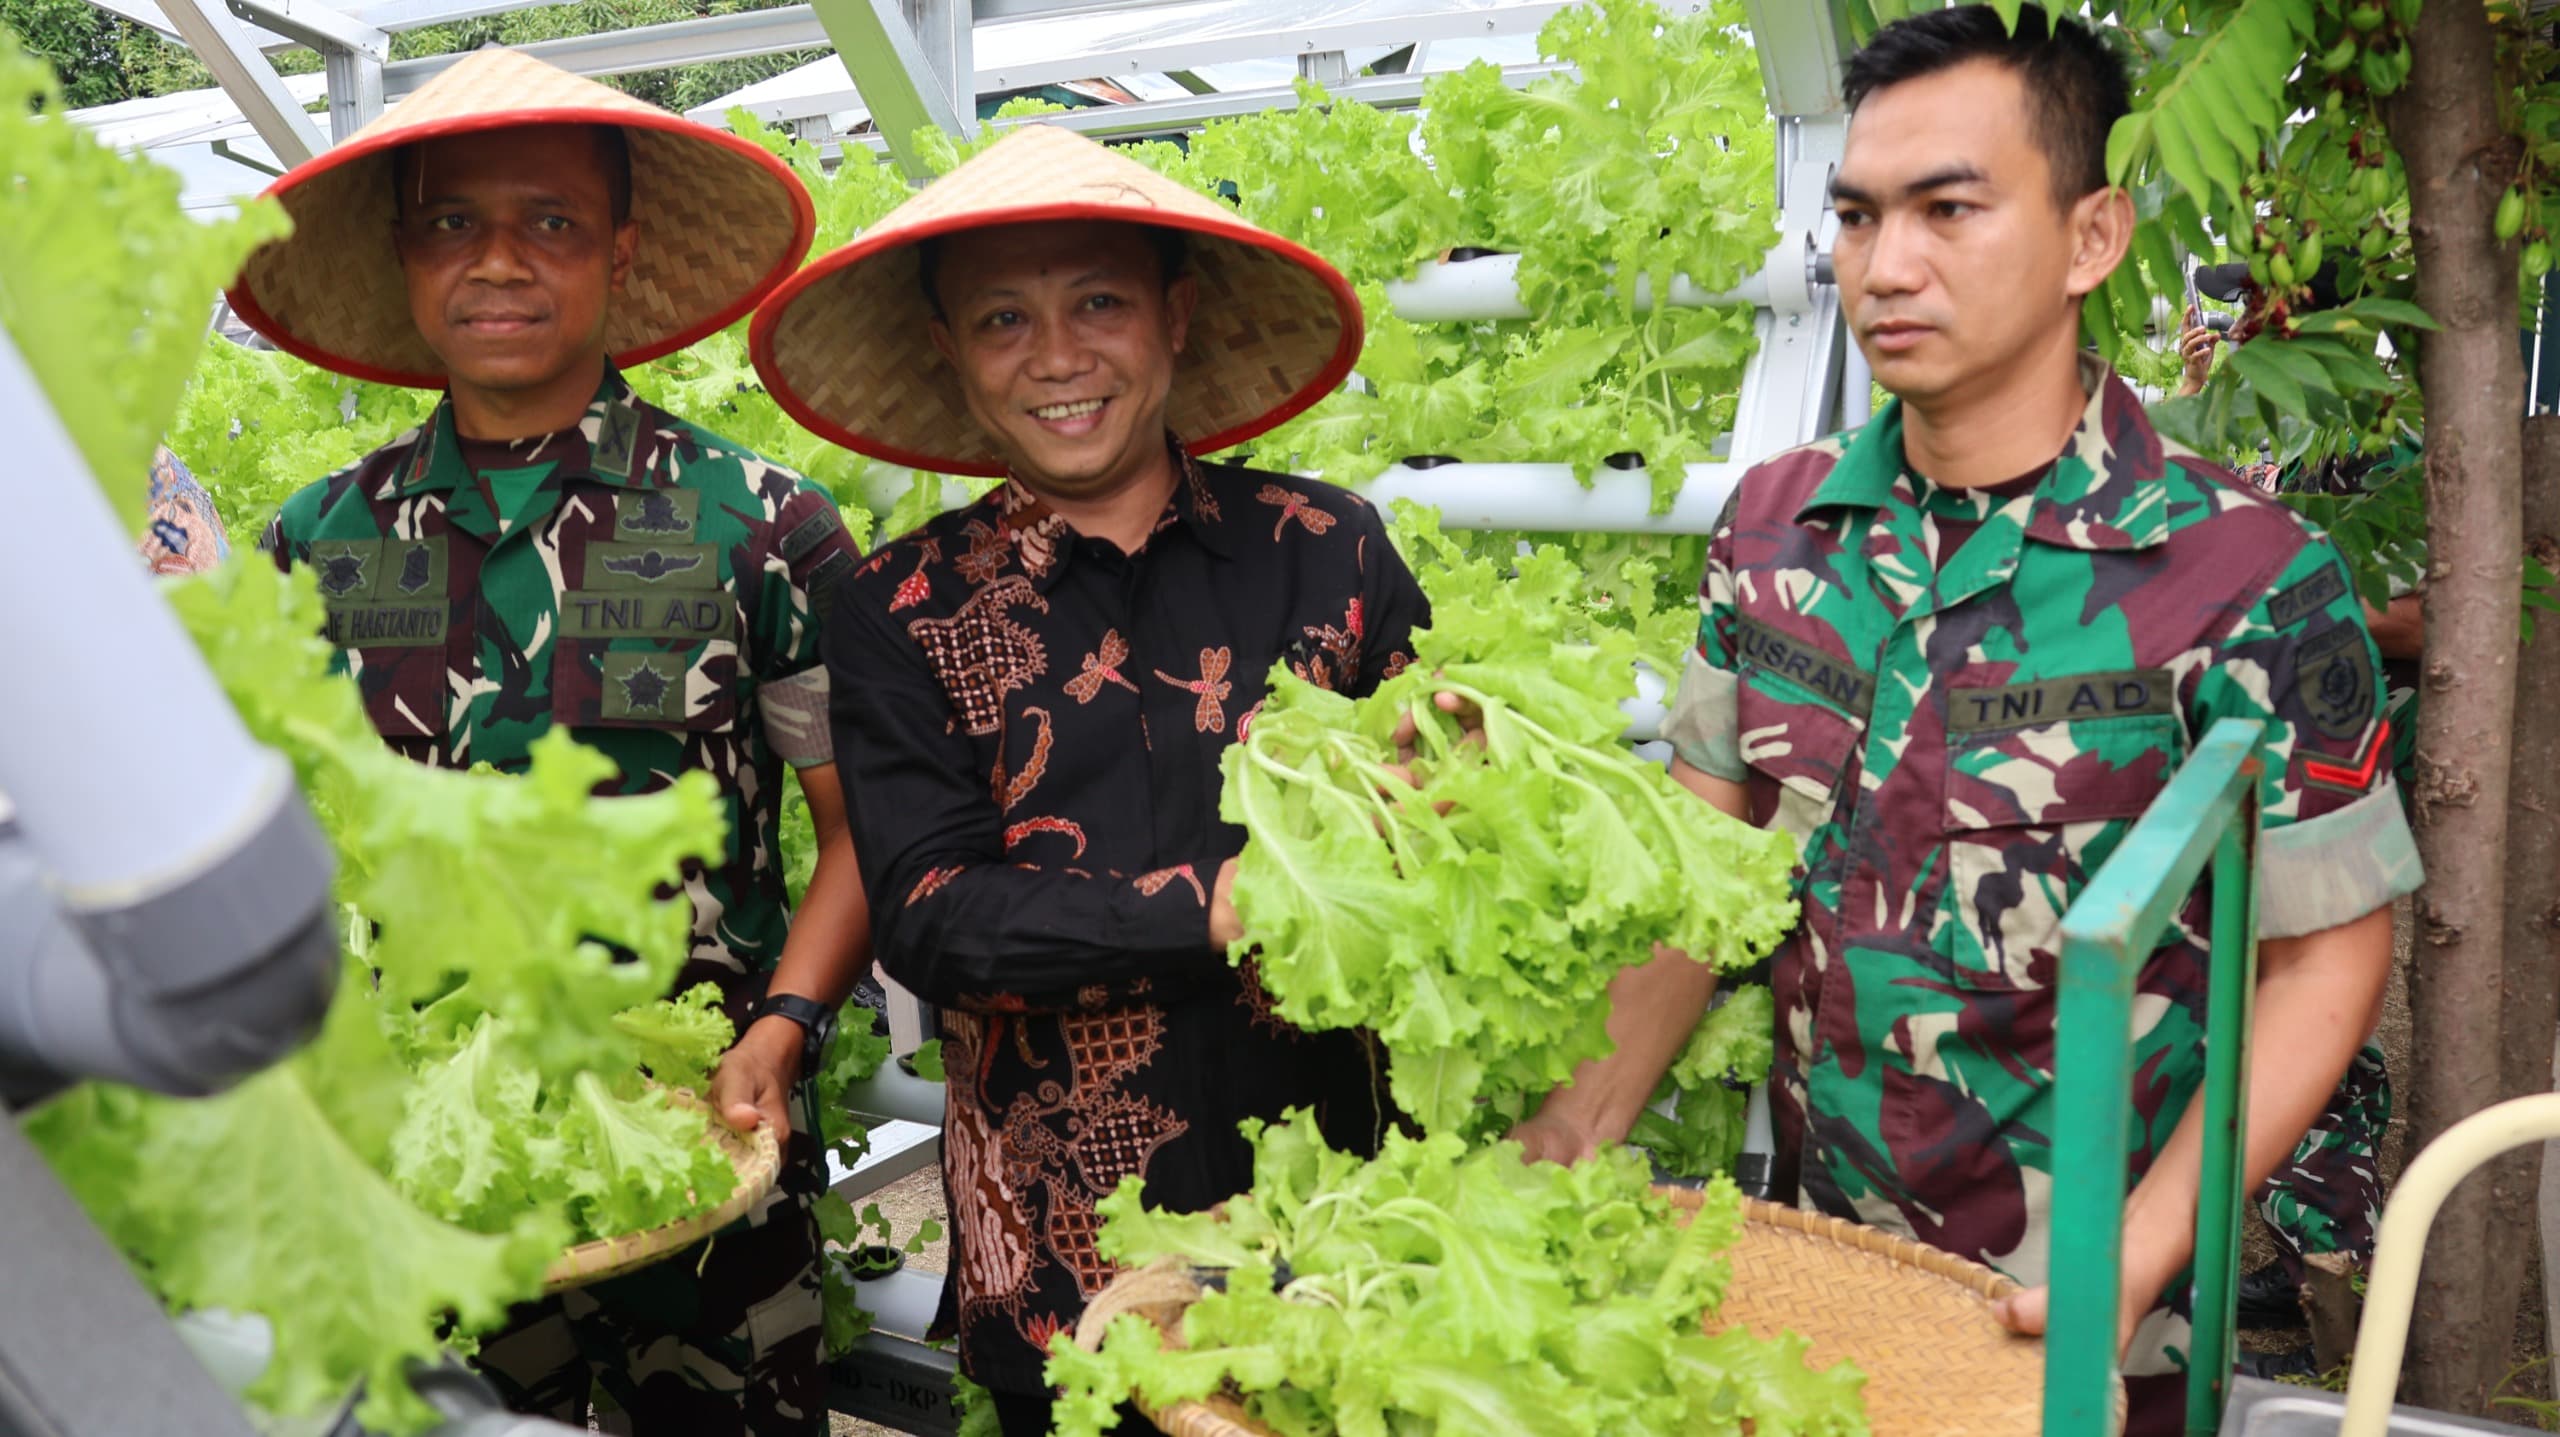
(817, 1024)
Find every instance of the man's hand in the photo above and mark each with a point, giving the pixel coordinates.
(2196, 347)
(2149, 1263)
(1225, 928)
(753, 1083)
(1547, 1138)
(1470, 726)
(2024, 1313)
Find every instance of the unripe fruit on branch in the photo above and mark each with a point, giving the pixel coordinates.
(2510, 218)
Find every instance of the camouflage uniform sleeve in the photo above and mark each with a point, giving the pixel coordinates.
(810, 552)
(1704, 725)
(2335, 844)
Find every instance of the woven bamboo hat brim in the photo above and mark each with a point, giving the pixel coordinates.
(844, 345)
(721, 223)
(1916, 1321)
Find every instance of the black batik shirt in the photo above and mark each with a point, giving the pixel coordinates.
(1028, 726)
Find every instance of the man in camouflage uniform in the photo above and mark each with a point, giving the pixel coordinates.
(1958, 652)
(550, 550)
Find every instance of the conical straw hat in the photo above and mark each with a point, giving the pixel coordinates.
(721, 223)
(844, 346)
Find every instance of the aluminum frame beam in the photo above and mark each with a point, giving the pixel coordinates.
(1800, 45)
(307, 22)
(649, 47)
(355, 91)
(1181, 36)
(893, 67)
(225, 46)
(1163, 117)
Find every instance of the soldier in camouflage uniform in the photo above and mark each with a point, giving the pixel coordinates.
(1956, 654)
(551, 550)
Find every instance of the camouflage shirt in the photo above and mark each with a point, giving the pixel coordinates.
(1958, 702)
(642, 581)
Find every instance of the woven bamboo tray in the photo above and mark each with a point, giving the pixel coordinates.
(756, 1156)
(1915, 1320)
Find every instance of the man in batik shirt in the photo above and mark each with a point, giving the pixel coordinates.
(1032, 693)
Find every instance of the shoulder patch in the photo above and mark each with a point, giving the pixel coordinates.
(2333, 681)
(822, 581)
(2309, 597)
(809, 533)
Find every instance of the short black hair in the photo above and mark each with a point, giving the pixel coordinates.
(1172, 249)
(2075, 85)
(613, 153)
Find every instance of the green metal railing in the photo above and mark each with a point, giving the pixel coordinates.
(2208, 813)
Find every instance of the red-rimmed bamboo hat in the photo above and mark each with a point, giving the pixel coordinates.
(844, 345)
(721, 223)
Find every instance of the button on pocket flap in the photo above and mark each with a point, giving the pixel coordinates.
(2048, 775)
(1799, 741)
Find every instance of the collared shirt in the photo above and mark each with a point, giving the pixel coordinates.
(1959, 734)
(641, 581)
(1031, 723)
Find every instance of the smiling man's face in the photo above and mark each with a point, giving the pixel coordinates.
(510, 245)
(1064, 338)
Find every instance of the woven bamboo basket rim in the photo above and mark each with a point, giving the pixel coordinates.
(757, 1159)
(1914, 1318)
(845, 346)
(722, 221)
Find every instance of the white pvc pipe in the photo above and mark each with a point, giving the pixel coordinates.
(1489, 288)
(2402, 1243)
(1547, 497)
(130, 767)
(1648, 706)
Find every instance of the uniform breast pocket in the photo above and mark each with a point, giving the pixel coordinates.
(2032, 811)
(647, 660)
(388, 610)
(1799, 749)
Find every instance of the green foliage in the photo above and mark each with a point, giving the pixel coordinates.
(1695, 1127)
(475, 1100)
(256, 425)
(1441, 1290)
(79, 40)
(1650, 159)
(1475, 924)
(105, 285)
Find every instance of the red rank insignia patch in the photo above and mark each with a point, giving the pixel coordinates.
(2359, 779)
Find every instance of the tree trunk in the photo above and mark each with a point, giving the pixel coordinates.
(2532, 1002)
(2460, 160)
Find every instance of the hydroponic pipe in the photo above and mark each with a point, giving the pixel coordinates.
(178, 851)
(1548, 497)
(1489, 288)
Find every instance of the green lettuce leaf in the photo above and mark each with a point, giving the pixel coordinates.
(1475, 924)
(1438, 1289)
